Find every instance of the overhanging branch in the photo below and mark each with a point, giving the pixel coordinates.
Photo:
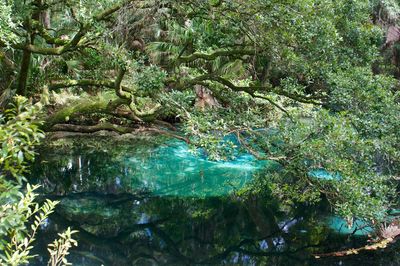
(253, 89)
(67, 46)
(214, 55)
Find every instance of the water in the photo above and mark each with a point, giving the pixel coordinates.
(150, 201)
(167, 168)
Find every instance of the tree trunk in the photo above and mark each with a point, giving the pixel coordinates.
(205, 99)
(38, 15)
(24, 73)
(45, 18)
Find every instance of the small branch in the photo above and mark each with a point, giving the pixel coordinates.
(273, 103)
(212, 56)
(247, 147)
(164, 132)
(165, 124)
(44, 33)
(106, 13)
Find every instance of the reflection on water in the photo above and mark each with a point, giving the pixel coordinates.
(152, 202)
(167, 169)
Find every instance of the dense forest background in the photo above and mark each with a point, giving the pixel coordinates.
(310, 84)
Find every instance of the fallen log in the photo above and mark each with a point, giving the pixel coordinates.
(92, 129)
(115, 128)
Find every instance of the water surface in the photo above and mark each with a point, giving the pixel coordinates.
(150, 201)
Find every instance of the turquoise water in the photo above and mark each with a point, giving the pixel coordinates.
(358, 228)
(151, 201)
(174, 170)
(322, 174)
(169, 168)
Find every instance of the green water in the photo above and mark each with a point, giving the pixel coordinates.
(151, 201)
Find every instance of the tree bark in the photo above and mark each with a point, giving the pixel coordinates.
(27, 54)
(24, 72)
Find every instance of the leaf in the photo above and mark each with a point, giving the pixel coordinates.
(20, 156)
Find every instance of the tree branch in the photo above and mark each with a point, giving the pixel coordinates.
(66, 83)
(73, 43)
(122, 92)
(252, 89)
(117, 85)
(212, 56)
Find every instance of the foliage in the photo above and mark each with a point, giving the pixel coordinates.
(358, 142)
(330, 142)
(7, 25)
(19, 133)
(222, 131)
(149, 80)
(16, 239)
(388, 11)
(59, 248)
(177, 104)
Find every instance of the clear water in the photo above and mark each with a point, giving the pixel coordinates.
(168, 168)
(150, 201)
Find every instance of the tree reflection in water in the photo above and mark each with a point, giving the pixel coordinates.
(117, 198)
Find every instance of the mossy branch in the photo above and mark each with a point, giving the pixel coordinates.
(87, 107)
(125, 94)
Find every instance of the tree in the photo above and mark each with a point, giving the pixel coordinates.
(291, 80)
